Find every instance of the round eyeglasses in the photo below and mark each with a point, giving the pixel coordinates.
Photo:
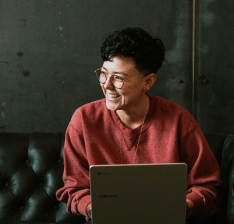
(116, 80)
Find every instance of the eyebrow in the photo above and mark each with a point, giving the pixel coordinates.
(117, 72)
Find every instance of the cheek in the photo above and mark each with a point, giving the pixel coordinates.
(131, 95)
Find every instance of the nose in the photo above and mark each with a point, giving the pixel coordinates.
(108, 84)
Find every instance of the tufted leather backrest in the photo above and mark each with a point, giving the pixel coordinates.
(31, 168)
(227, 175)
(215, 142)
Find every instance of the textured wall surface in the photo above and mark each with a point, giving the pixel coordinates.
(214, 79)
(50, 48)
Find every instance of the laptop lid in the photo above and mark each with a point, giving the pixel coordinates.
(138, 193)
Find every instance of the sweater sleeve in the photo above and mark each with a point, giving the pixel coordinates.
(203, 181)
(76, 190)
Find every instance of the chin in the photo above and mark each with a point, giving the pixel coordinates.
(111, 106)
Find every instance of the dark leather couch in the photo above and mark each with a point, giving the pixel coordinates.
(31, 167)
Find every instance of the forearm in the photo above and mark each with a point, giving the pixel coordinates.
(206, 199)
(76, 192)
(81, 205)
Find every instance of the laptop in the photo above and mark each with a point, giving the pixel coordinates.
(138, 193)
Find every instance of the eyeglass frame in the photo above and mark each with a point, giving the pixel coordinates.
(124, 80)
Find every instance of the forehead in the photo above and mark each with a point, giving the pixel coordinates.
(120, 64)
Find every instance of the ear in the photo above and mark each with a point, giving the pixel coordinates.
(149, 81)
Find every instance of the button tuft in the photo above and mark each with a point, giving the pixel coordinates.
(27, 161)
(21, 207)
(41, 184)
(7, 184)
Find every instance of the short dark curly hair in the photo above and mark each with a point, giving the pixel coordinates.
(146, 51)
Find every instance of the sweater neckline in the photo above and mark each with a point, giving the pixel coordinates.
(136, 131)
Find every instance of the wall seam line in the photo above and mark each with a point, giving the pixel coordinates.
(193, 60)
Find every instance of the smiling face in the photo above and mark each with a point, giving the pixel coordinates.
(132, 93)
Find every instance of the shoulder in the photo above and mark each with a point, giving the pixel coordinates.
(88, 112)
(172, 113)
(169, 107)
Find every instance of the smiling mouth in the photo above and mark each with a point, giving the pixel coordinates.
(112, 96)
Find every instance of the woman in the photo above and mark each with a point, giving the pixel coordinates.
(131, 126)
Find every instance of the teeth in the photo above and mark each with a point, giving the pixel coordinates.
(112, 95)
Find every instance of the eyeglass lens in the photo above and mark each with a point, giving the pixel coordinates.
(115, 80)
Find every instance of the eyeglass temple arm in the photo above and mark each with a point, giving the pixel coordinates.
(97, 69)
(134, 77)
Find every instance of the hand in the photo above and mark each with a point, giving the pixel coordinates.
(89, 210)
(189, 208)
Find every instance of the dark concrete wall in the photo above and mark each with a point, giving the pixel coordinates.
(49, 50)
(214, 80)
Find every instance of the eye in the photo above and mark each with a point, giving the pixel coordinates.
(117, 78)
(103, 73)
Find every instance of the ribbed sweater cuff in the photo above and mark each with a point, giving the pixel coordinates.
(82, 205)
(198, 203)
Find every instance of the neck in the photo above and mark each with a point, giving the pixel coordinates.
(134, 117)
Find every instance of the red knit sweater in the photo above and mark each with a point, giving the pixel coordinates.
(169, 135)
